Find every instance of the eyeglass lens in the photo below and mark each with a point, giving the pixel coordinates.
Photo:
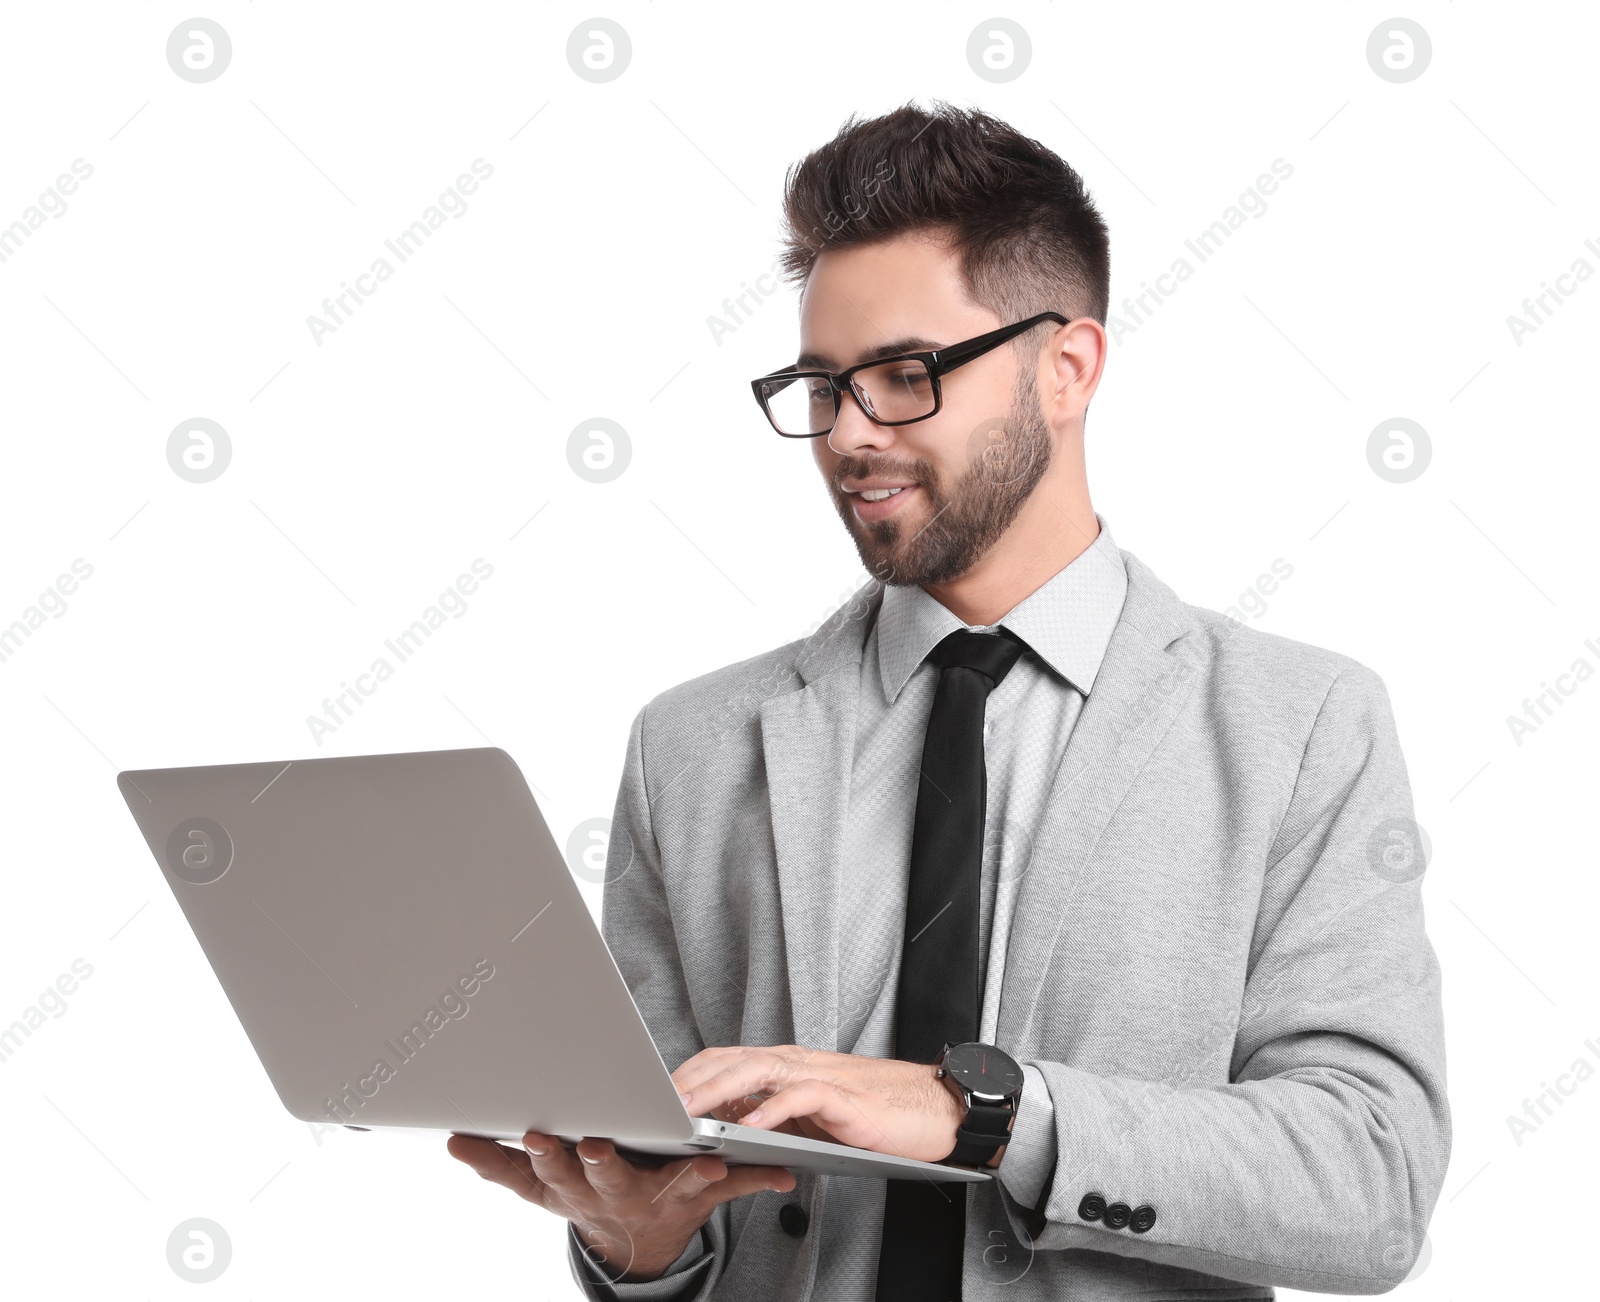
(896, 390)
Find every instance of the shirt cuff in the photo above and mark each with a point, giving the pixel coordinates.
(1030, 1156)
(678, 1281)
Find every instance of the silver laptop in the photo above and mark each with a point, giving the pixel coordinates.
(405, 947)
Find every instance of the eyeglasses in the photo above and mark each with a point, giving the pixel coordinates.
(890, 390)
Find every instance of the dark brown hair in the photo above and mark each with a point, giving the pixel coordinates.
(1019, 218)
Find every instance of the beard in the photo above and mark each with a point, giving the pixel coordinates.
(1006, 457)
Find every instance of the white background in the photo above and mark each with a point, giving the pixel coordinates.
(369, 470)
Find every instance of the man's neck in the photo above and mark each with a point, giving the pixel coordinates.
(1051, 531)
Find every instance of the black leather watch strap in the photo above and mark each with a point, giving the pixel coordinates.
(984, 1132)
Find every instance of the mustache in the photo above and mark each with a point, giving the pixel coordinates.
(920, 472)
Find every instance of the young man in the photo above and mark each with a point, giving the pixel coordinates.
(1155, 874)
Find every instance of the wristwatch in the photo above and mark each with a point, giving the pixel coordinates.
(988, 1081)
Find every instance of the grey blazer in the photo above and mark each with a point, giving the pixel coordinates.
(1218, 960)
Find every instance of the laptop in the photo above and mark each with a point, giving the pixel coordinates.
(405, 947)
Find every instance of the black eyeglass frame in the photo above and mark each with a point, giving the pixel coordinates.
(939, 361)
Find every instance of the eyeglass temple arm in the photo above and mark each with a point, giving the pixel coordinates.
(949, 358)
(960, 354)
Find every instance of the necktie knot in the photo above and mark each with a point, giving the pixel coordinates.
(991, 654)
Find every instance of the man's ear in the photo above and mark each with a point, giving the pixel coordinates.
(1072, 370)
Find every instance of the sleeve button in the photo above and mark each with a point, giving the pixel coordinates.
(1143, 1218)
(1092, 1208)
(792, 1217)
(1118, 1215)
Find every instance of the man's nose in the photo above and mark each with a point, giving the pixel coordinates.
(853, 429)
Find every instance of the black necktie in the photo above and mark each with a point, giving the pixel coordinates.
(939, 996)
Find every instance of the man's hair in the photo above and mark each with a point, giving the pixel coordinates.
(1023, 226)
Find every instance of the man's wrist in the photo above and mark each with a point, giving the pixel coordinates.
(955, 1109)
(607, 1260)
(690, 1253)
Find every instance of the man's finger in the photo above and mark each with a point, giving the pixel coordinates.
(741, 1181)
(752, 1071)
(554, 1164)
(685, 1180)
(607, 1173)
(707, 1060)
(824, 1102)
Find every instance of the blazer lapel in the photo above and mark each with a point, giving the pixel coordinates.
(808, 741)
(1150, 667)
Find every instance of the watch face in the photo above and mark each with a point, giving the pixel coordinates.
(985, 1070)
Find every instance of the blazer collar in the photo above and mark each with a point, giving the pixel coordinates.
(1150, 610)
(836, 643)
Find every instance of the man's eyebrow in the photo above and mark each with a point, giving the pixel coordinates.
(910, 344)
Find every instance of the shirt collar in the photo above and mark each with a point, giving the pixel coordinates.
(1066, 621)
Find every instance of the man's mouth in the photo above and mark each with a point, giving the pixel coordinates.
(877, 502)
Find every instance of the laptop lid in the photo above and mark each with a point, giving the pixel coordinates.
(404, 945)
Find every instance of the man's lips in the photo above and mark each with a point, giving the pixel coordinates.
(867, 512)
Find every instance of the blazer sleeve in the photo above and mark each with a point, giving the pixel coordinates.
(637, 924)
(1317, 1166)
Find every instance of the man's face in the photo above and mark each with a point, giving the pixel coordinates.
(963, 473)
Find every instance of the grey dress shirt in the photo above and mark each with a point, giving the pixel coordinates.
(1067, 623)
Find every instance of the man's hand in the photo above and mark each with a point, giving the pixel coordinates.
(882, 1104)
(634, 1220)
